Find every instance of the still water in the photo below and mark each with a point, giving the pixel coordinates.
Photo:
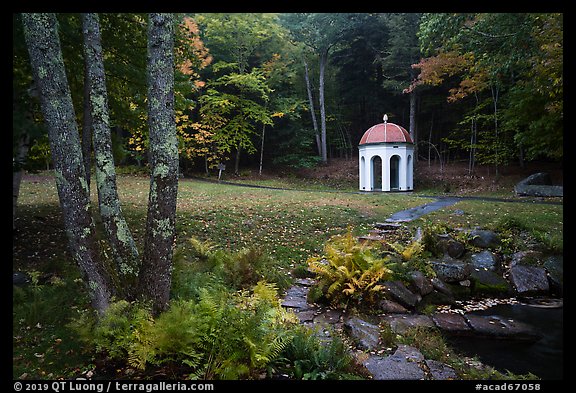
(543, 358)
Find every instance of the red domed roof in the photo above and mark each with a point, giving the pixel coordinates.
(385, 133)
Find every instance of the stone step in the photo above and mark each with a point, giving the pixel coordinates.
(387, 225)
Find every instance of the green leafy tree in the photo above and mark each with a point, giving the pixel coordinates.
(495, 57)
(320, 32)
(236, 96)
(237, 103)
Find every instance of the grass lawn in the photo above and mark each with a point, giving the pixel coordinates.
(289, 225)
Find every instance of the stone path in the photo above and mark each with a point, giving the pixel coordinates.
(418, 211)
(406, 363)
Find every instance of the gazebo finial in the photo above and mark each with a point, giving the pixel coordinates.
(385, 118)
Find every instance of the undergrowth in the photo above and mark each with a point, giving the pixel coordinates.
(221, 324)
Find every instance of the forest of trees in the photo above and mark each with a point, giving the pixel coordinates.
(297, 89)
(187, 92)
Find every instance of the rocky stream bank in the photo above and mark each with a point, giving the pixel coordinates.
(470, 276)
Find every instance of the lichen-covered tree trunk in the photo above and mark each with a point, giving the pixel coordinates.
(155, 275)
(48, 70)
(87, 126)
(124, 249)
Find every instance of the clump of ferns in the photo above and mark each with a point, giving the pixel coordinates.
(350, 272)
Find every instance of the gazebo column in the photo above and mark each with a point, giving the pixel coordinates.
(402, 180)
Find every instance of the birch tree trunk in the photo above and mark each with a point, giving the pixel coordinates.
(40, 31)
(155, 275)
(323, 59)
(122, 244)
(312, 111)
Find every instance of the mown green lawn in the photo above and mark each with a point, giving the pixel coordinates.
(289, 225)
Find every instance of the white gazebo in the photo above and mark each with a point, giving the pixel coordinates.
(386, 154)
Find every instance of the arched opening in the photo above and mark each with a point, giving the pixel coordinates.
(376, 173)
(394, 172)
(409, 180)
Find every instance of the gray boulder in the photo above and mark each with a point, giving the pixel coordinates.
(391, 307)
(485, 260)
(554, 265)
(538, 184)
(484, 238)
(529, 280)
(420, 283)
(21, 279)
(366, 335)
(452, 270)
(446, 244)
(487, 282)
(399, 293)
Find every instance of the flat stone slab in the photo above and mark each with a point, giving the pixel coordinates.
(498, 327)
(296, 297)
(387, 226)
(400, 323)
(328, 317)
(306, 316)
(305, 282)
(402, 365)
(298, 303)
(451, 323)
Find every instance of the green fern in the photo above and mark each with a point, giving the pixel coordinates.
(350, 271)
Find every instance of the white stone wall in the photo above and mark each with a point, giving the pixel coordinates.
(386, 151)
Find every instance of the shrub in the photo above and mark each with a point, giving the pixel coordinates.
(307, 357)
(349, 271)
(219, 336)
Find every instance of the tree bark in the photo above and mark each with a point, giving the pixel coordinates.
(122, 244)
(43, 44)
(87, 126)
(262, 149)
(155, 275)
(312, 111)
(323, 60)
